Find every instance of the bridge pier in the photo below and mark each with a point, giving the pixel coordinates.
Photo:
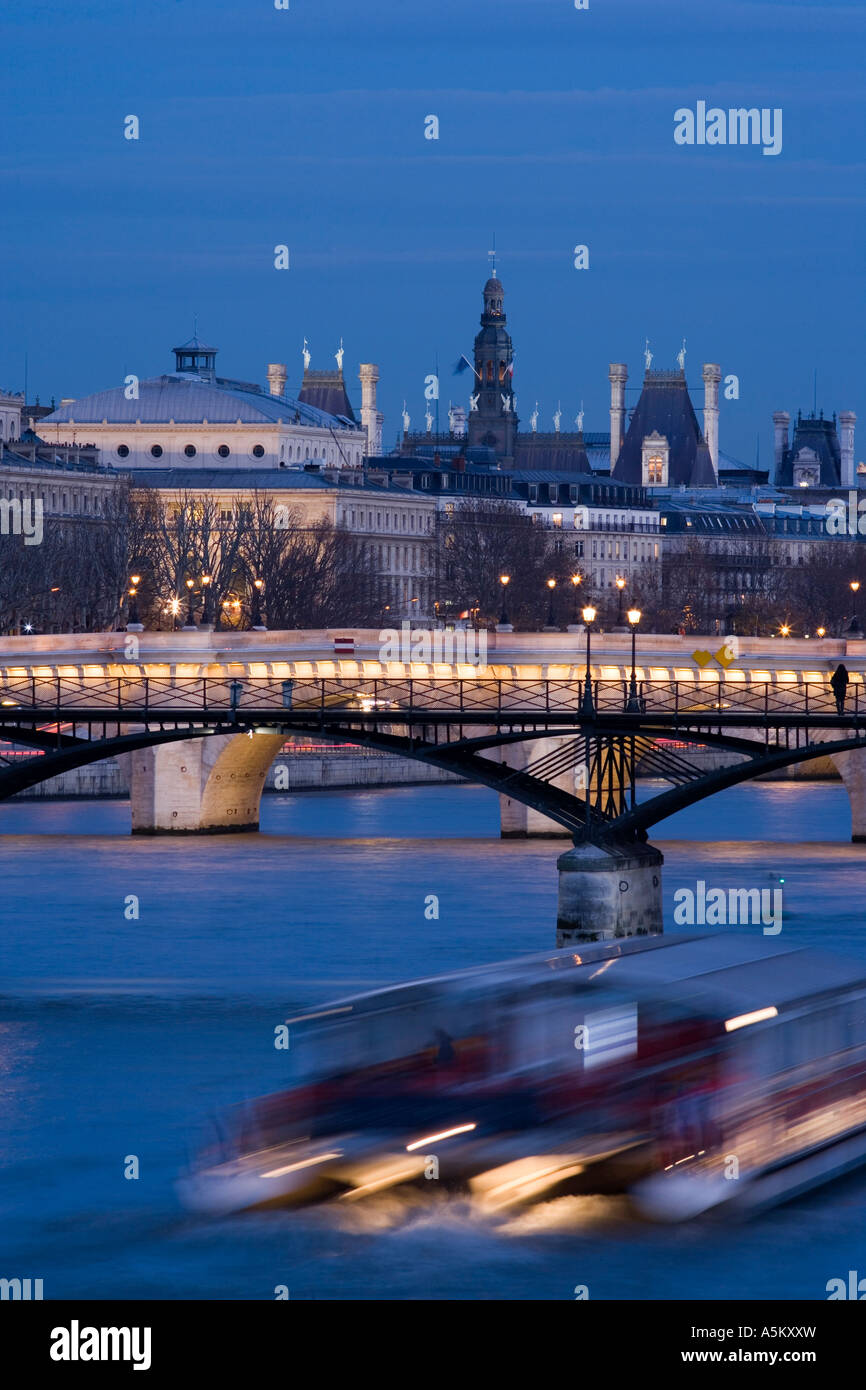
(851, 767)
(201, 785)
(517, 821)
(609, 892)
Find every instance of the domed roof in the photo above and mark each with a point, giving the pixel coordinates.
(190, 400)
(493, 286)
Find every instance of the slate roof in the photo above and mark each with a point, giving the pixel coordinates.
(326, 391)
(819, 435)
(665, 407)
(248, 479)
(565, 452)
(189, 400)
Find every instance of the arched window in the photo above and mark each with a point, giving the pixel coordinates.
(489, 371)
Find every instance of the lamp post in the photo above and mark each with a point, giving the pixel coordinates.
(256, 615)
(206, 618)
(633, 705)
(551, 619)
(576, 580)
(135, 624)
(189, 625)
(504, 625)
(586, 704)
(620, 584)
(854, 629)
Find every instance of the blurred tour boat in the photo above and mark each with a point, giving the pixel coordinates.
(722, 1071)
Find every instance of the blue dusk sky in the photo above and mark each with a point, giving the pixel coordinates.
(305, 127)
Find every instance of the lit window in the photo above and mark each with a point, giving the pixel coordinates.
(654, 469)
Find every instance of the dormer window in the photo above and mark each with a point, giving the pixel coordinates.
(654, 460)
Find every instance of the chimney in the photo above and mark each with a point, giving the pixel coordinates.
(371, 418)
(781, 424)
(847, 420)
(712, 376)
(618, 374)
(277, 378)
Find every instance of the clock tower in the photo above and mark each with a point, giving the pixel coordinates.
(493, 421)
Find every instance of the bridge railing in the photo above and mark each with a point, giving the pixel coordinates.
(137, 699)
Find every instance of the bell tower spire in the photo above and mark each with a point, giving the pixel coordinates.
(492, 418)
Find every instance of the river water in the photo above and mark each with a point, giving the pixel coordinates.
(118, 1035)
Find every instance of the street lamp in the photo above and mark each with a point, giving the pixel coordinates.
(821, 631)
(586, 705)
(855, 625)
(505, 580)
(577, 580)
(206, 581)
(257, 624)
(784, 630)
(551, 620)
(134, 581)
(190, 613)
(620, 584)
(633, 705)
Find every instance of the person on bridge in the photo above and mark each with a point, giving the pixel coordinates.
(839, 683)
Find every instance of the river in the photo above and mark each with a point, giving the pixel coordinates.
(118, 1033)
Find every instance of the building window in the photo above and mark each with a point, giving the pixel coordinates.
(258, 451)
(156, 450)
(224, 451)
(654, 469)
(123, 451)
(557, 518)
(190, 451)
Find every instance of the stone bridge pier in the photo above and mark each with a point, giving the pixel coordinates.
(516, 819)
(202, 786)
(610, 892)
(851, 767)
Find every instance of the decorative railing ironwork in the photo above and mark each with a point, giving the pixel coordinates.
(369, 700)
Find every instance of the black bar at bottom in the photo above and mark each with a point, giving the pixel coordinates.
(226, 1338)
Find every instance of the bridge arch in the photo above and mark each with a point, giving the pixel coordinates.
(209, 777)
